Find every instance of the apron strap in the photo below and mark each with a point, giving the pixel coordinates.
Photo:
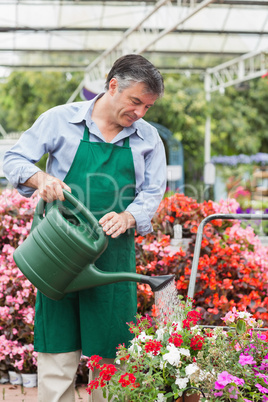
(87, 134)
(126, 142)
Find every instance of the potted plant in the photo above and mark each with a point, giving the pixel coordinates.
(24, 361)
(29, 366)
(10, 352)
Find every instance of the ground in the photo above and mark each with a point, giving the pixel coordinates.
(17, 393)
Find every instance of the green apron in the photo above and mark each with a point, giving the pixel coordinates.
(102, 176)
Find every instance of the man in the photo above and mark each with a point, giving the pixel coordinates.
(114, 162)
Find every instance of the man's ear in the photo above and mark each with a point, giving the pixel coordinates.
(113, 86)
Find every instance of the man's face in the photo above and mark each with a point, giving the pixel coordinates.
(131, 104)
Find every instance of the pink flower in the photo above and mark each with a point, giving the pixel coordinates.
(225, 378)
(246, 359)
(261, 388)
(218, 393)
(229, 317)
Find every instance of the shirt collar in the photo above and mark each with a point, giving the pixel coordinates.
(85, 112)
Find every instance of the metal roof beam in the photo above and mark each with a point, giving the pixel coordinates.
(124, 29)
(244, 68)
(95, 72)
(98, 68)
(192, 11)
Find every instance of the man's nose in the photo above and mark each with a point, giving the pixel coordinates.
(140, 111)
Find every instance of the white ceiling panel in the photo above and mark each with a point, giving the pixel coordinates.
(81, 30)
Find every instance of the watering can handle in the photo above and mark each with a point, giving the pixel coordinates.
(39, 215)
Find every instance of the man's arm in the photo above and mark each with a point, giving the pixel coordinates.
(49, 187)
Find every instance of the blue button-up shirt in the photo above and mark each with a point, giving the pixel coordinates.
(58, 132)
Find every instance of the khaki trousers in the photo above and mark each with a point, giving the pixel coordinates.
(56, 377)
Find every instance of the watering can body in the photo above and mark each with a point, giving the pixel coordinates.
(58, 255)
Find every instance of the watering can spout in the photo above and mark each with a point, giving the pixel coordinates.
(91, 276)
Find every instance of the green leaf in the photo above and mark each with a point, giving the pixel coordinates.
(241, 327)
(169, 395)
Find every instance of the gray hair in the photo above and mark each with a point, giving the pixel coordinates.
(134, 68)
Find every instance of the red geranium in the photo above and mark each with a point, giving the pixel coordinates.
(127, 379)
(93, 362)
(176, 339)
(197, 342)
(153, 346)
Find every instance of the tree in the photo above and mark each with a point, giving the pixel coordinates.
(239, 120)
(25, 95)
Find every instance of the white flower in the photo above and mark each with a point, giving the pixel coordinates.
(184, 352)
(117, 362)
(160, 334)
(173, 356)
(191, 368)
(181, 382)
(135, 349)
(160, 398)
(143, 337)
(244, 314)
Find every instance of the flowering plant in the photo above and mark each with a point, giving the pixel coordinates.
(28, 361)
(234, 362)
(17, 356)
(175, 354)
(259, 158)
(159, 362)
(233, 264)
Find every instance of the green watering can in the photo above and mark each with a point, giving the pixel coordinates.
(58, 255)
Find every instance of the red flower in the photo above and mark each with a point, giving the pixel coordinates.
(176, 339)
(136, 385)
(186, 324)
(191, 320)
(153, 346)
(93, 362)
(194, 315)
(197, 342)
(107, 371)
(127, 379)
(92, 385)
(155, 311)
(125, 357)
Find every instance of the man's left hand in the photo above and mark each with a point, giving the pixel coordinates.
(114, 224)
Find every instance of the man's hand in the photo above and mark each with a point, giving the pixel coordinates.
(49, 187)
(115, 224)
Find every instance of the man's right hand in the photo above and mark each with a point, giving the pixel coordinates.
(49, 187)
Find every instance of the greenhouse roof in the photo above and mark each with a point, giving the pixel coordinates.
(175, 35)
